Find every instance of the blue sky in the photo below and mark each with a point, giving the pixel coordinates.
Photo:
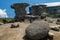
(5, 4)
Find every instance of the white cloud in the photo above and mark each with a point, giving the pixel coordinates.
(52, 4)
(3, 13)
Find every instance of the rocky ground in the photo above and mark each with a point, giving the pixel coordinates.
(56, 33)
(7, 33)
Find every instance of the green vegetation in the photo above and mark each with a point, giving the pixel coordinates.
(52, 15)
(6, 20)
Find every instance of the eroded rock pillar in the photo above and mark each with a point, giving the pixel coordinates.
(20, 11)
(37, 9)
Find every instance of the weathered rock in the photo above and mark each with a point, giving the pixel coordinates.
(15, 25)
(51, 35)
(37, 30)
(50, 20)
(56, 28)
(58, 21)
(43, 15)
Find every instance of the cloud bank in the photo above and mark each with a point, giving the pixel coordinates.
(3, 13)
(52, 4)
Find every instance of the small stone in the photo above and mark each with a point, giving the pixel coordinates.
(15, 25)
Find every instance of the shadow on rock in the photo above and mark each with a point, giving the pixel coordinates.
(45, 38)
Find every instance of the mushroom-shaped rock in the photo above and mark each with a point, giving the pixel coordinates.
(37, 30)
(20, 11)
(19, 5)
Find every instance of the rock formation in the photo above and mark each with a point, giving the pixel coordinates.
(37, 30)
(20, 10)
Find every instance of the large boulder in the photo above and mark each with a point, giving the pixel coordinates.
(37, 30)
